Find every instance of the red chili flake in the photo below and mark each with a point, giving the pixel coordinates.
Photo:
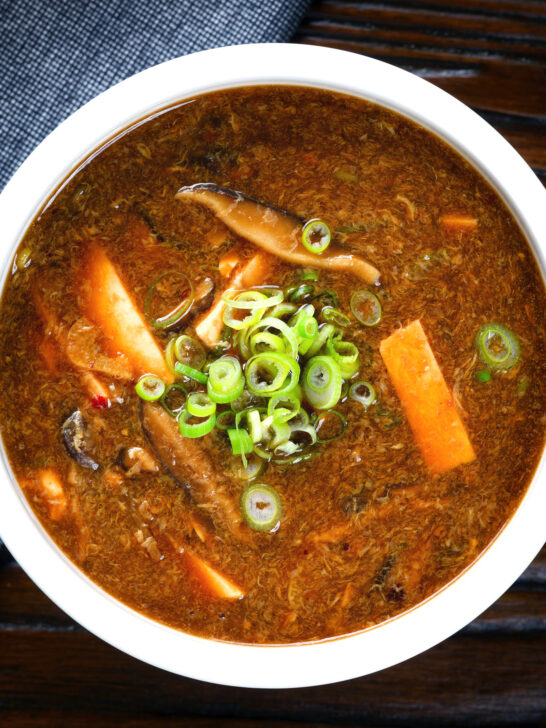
(100, 402)
(305, 552)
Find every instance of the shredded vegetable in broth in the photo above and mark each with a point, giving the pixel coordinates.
(256, 383)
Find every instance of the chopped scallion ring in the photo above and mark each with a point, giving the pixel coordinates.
(316, 236)
(171, 291)
(229, 396)
(250, 300)
(298, 293)
(335, 316)
(498, 347)
(224, 374)
(363, 392)
(332, 424)
(322, 382)
(483, 376)
(261, 507)
(197, 429)
(283, 407)
(168, 399)
(241, 444)
(199, 404)
(323, 335)
(254, 468)
(150, 388)
(265, 341)
(189, 352)
(308, 327)
(190, 372)
(366, 307)
(286, 332)
(309, 274)
(271, 373)
(225, 420)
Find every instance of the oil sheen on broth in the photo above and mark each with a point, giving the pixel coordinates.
(372, 522)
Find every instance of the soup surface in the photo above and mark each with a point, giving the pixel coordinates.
(400, 491)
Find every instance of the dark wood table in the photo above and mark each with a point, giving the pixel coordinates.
(491, 54)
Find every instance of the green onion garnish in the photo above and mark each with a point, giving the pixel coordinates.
(322, 382)
(271, 373)
(224, 374)
(363, 392)
(308, 327)
(199, 404)
(168, 299)
(328, 421)
(309, 274)
(366, 307)
(335, 316)
(498, 347)
(484, 375)
(150, 388)
(261, 507)
(197, 429)
(316, 236)
(241, 444)
(190, 372)
(189, 352)
(283, 407)
(298, 293)
(171, 393)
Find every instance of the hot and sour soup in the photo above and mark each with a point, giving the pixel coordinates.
(273, 365)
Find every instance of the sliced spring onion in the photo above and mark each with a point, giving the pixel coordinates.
(334, 316)
(269, 374)
(309, 274)
(189, 352)
(253, 422)
(299, 293)
(249, 300)
(255, 467)
(286, 332)
(194, 429)
(308, 328)
(328, 297)
(170, 356)
(285, 308)
(266, 341)
(261, 507)
(300, 420)
(170, 400)
(224, 374)
(274, 433)
(199, 404)
(363, 392)
(168, 299)
(330, 426)
(225, 420)
(283, 407)
(254, 302)
(483, 376)
(247, 399)
(229, 396)
(366, 307)
(190, 372)
(498, 346)
(316, 236)
(150, 388)
(241, 444)
(322, 382)
(323, 335)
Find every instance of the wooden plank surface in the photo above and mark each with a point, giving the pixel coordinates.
(491, 54)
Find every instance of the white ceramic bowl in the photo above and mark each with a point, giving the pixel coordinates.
(292, 665)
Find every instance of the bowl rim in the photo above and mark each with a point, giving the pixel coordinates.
(303, 664)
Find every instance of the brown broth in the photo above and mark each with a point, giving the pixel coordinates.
(367, 532)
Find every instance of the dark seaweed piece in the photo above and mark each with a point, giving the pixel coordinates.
(75, 438)
(396, 594)
(384, 571)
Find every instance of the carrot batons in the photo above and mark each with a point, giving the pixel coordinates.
(252, 273)
(428, 403)
(109, 305)
(464, 223)
(47, 484)
(212, 580)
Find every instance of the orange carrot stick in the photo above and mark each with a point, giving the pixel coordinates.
(459, 221)
(428, 403)
(212, 580)
(109, 305)
(253, 273)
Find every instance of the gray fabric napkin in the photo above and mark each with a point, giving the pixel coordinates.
(57, 54)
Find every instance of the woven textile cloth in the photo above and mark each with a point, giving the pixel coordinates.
(57, 54)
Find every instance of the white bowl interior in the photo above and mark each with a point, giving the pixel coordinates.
(283, 665)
